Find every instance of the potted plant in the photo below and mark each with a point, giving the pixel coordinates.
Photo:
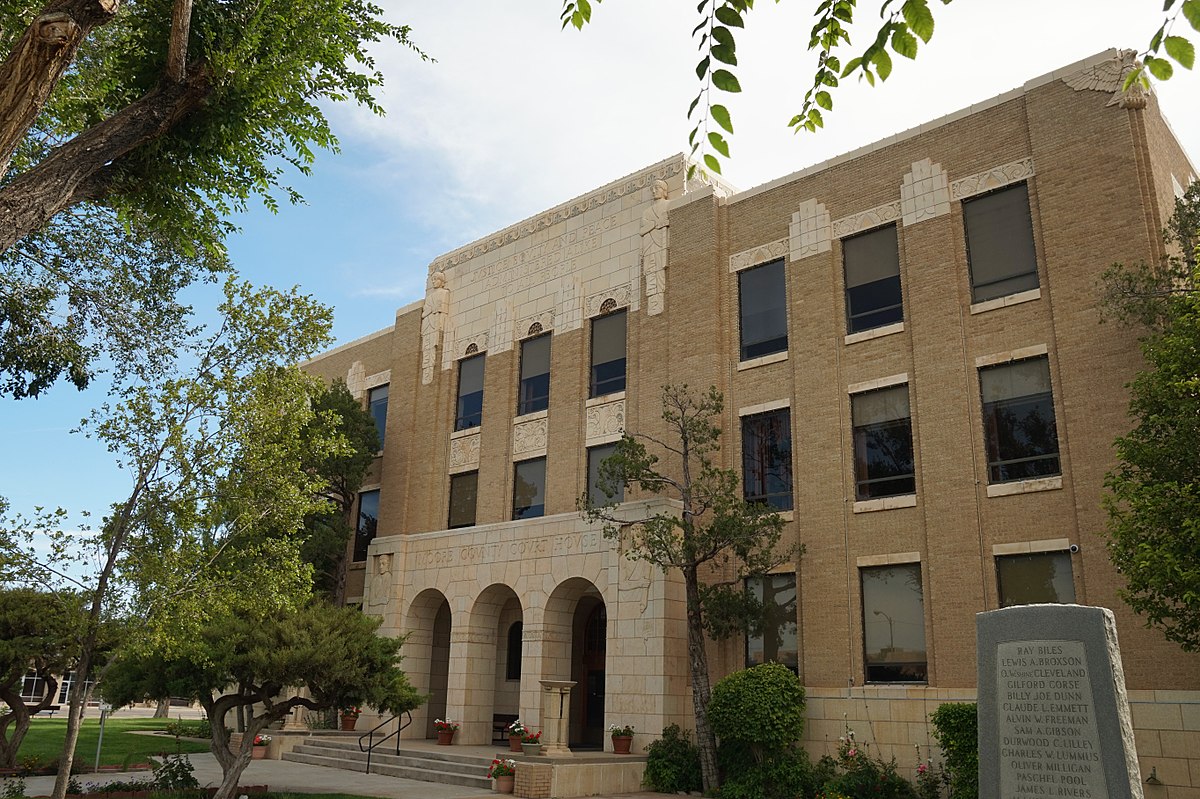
(445, 731)
(622, 737)
(531, 742)
(516, 731)
(349, 718)
(504, 772)
(259, 751)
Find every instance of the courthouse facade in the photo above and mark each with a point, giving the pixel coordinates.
(909, 342)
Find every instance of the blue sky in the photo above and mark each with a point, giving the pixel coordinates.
(517, 116)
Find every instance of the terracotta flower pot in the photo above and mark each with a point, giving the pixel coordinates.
(505, 784)
(531, 748)
(348, 723)
(258, 753)
(621, 744)
(445, 737)
(514, 743)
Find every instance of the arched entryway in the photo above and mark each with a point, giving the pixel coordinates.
(576, 610)
(493, 663)
(427, 657)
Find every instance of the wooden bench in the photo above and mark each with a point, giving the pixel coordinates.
(500, 722)
(49, 710)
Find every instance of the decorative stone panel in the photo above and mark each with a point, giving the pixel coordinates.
(865, 220)
(604, 422)
(471, 345)
(759, 255)
(355, 376)
(464, 452)
(621, 296)
(993, 178)
(809, 230)
(925, 192)
(535, 325)
(529, 438)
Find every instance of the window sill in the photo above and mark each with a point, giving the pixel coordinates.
(530, 417)
(1004, 302)
(1025, 486)
(885, 503)
(875, 332)
(1032, 547)
(774, 357)
(604, 399)
(466, 432)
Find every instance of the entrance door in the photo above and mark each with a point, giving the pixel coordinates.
(595, 637)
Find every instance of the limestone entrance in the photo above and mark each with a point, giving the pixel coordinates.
(589, 672)
(427, 656)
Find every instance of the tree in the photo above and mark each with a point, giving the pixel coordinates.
(251, 662)
(132, 131)
(39, 633)
(217, 459)
(716, 541)
(903, 24)
(1154, 507)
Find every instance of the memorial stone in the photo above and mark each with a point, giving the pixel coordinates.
(1053, 715)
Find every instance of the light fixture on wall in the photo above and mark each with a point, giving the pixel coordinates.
(1153, 778)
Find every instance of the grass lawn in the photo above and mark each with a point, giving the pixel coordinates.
(45, 741)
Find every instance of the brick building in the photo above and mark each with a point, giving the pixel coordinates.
(909, 341)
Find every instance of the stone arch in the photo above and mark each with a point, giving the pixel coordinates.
(429, 624)
(575, 642)
(486, 689)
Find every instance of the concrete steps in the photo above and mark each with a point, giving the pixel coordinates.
(448, 767)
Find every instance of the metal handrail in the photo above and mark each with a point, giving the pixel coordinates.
(370, 737)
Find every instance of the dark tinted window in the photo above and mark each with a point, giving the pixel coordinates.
(1000, 243)
(608, 354)
(763, 310)
(1036, 578)
(883, 450)
(774, 640)
(535, 375)
(529, 489)
(377, 404)
(464, 490)
(1018, 421)
(368, 523)
(872, 264)
(596, 495)
(470, 393)
(767, 459)
(512, 668)
(894, 624)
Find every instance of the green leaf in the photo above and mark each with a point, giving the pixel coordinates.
(814, 116)
(695, 103)
(919, 18)
(1181, 50)
(1160, 68)
(1134, 75)
(712, 163)
(824, 100)
(724, 54)
(1157, 40)
(724, 80)
(904, 43)
(1191, 10)
(721, 114)
(702, 68)
(883, 64)
(691, 172)
(722, 35)
(700, 6)
(852, 65)
(870, 77)
(718, 143)
(730, 17)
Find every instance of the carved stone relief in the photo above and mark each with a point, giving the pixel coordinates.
(809, 230)
(1109, 76)
(355, 376)
(925, 192)
(619, 295)
(759, 255)
(535, 325)
(471, 345)
(865, 220)
(464, 453)
(655, 230)
(529, 438)
(433, 322)
(991, 179)
(604, 421)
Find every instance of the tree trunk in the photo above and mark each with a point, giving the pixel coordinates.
(37, 62)
(706, 741)
(232, 763)
(163, 709)
(81, 168)
(20, 717)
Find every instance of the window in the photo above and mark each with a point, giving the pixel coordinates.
(33, 687)
(1018, 420)
(883, 449)
(763, 308)
(767, 459)
(1037, 578)
(774, 639)
(872, 265)
(368, 523)
(535, 375)
(470, 393)
(377, 401)
(464, 489)
(596, 495)
(893, 624)
(1000, 243)
(608, 354)
(512, 665)
(529, 489)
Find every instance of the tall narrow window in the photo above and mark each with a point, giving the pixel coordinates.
(1018, 420)
(464, 490)
(883, 449)
(1000, 243)
(470, 393)
(535, 375)
(1036, 578)
(767, 459)
(872, 264)
(762, 300)
(377, 403)
(608, 354)
(894, 623)
(529, 489)
(512, 664)
(596, 456)
(368, 523)
(773, 640)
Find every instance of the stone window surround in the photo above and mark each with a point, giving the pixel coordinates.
(890, 559)
(875, 332)
(1032, 547)
(882, 503)
(767, 407)
(614, 399)
(1007, 300)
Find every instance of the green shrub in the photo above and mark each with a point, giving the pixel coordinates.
(175, 774)
(955, 726)
(786, 775)
(190, 729)
(673, 762)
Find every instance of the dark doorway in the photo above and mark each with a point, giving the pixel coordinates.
(591, 636)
